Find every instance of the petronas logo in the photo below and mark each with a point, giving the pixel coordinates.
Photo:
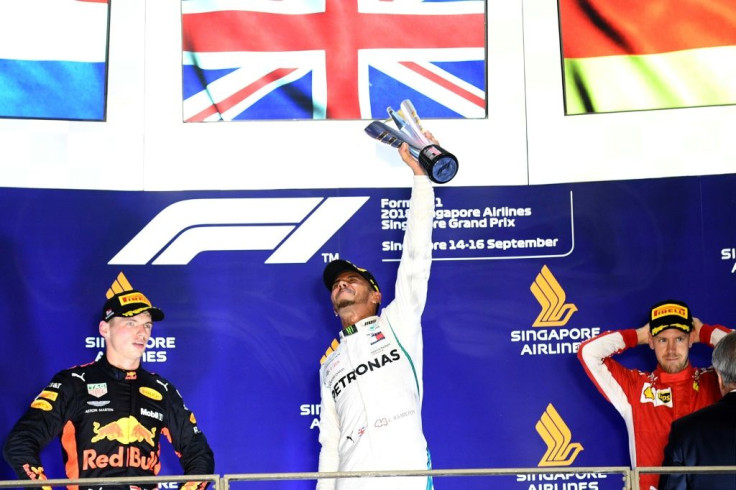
(550, 295)
(556, 434)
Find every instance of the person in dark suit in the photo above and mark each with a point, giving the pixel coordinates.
(707, 437)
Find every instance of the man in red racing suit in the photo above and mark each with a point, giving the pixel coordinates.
(110, 419)
(649, 402)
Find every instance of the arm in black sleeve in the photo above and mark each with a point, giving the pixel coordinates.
(673, 456)
(189, 442)
(41, 423)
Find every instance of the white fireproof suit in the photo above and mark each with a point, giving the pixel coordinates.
(371, 382)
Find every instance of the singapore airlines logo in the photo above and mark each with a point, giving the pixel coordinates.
(556, 434)
(295, 228)
(550, 295)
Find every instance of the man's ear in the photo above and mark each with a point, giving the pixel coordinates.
(376, 297)
(723, 388)
(692, 337)
(104, 329)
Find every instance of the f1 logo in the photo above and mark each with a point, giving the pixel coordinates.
(295, 227)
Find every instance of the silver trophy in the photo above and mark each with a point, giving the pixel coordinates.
(440, 165)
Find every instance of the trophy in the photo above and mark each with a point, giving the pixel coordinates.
(440, 165)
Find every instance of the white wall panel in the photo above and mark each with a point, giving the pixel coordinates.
(88, 155)
(525, 140)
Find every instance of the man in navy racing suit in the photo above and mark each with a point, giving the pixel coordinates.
(371, 379)
(110, 414)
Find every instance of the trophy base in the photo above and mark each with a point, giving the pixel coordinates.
(440, 165)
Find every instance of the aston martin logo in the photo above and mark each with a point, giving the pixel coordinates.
(556, 434)
(550, 295)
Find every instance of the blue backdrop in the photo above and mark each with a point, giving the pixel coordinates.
(238, 275)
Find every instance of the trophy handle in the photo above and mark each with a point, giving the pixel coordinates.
(440, 165)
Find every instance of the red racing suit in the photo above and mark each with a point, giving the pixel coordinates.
(648, 402)
(110, 422)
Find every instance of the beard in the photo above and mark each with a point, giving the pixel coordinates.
(343, 303)
(674, 368)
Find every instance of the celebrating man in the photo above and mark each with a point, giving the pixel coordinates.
(371, 380)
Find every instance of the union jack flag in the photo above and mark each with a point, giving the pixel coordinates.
(335, 59)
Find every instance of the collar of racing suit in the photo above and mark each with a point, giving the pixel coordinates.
(117, 373)
(351, 329)
(687, 373)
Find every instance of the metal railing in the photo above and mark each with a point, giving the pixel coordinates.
(102, 482)
(630, 477)
(467, 472)
(671, 470)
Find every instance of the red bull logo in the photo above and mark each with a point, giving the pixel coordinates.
(129, 457)
(35, 473)
(125, 430)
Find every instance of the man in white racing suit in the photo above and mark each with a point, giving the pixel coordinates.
(371, 379)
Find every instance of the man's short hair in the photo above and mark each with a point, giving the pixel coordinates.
(724, 358)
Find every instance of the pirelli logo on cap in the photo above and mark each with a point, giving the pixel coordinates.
(669, 309)
(134, 298)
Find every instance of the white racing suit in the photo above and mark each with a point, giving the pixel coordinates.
(371, 381)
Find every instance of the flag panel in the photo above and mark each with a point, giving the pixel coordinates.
(51, 69)
(620, 55)
(336, 43)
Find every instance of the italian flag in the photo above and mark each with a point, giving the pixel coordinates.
(626, 55)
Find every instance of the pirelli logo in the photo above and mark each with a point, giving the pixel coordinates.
(332, 348)
(119, 285)
(670, 309)
(557, 436)
(552, 298)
